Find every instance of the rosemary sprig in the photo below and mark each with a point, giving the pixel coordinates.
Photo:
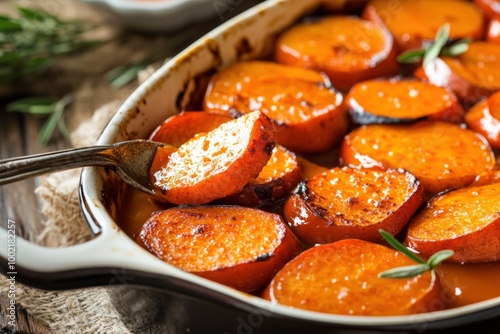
(414, 270)
(436, 48)
(124, 74)
(33, 41)
(43, 106)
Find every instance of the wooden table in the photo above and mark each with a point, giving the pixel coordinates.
(83, 75)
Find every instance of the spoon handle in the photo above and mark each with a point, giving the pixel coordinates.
(21, 168)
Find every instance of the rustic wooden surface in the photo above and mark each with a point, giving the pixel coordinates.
(82, 76)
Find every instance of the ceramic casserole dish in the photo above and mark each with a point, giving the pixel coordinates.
(173, 300)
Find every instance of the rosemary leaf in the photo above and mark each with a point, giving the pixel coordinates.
(411, 56)
(32, 105)
(55, 119)
(405, 272)
(120, 76)
(32, 14)
(33, 41)
(456, 48)
(437, 48)
(433, 51)
(411, 271)
(400, 247)
(48, 127)
(63, 129)
(439, 257)
(44, 106)
(7, 25)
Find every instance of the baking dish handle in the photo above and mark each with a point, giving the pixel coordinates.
(110, 258)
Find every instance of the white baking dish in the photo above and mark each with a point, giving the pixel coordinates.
(168, 91)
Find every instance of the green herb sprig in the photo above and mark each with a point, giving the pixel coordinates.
(436, 48)
(43, 106)
(124, 74)
(415, 270)
(33, 41)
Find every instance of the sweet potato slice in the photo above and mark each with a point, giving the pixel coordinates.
(466, 221)
(471, 75)
(346, 48)
(348, 203)
(343, 6)
(342, 278)
(307, 113)
(217, 163)
(178, 129)
(236, 246)
(481, 118)
(485, 178)
(397, 101)
(441, 155)
(276, 180)
(414, 23)
(490, 8)
(493, 31)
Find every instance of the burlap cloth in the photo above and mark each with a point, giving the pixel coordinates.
(76, 311)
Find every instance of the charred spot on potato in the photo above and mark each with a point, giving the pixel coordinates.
(263, 257)
(269, 148)
(352, 200)
(264, 192)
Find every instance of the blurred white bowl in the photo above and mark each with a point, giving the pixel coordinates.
(157, 15)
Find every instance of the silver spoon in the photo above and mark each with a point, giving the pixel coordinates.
(131, 160)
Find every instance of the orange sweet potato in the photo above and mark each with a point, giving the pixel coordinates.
(217, 163)
(310, 169)
(484, 118)
(307, 113)
(486, 178)
(161, 159)
(490, 8)
(342, 278)
(414, 23)
(343, 6)
(236, 246)
(466, 221)
(348, 203)
(346, 48)
(493, 31)
(397, 101)
(471, 75)
(178, 129)
(275, 181)
(441, 155)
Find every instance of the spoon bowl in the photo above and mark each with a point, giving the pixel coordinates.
(131, 160)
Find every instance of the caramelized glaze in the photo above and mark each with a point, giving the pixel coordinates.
(463, 284)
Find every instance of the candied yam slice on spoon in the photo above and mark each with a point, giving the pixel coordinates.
(179, 128)
(217, 163)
